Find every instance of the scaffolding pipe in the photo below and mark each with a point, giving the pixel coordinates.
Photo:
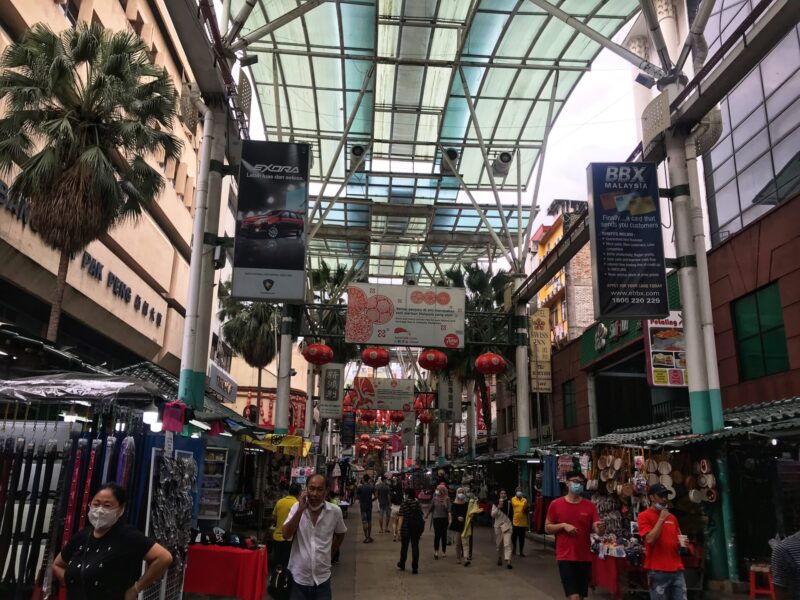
(695, 38)
(265, 30)
(651, 18)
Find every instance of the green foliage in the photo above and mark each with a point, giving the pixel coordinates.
(250, 328)
(327, 285)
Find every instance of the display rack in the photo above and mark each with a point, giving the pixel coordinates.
(212, 488)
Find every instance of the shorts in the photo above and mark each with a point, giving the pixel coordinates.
(575, 577)
(395, 511)
(366, 514)
(384, 511)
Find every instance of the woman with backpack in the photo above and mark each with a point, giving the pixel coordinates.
(412, 523)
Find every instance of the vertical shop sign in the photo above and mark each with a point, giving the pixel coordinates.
(269, 252)
(347, 430)
(408, 428)
(665, 350)
(627, 247)
(331, 400)
(541, 351)
(448, 400)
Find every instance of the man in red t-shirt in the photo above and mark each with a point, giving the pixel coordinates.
(572, 519)
(662, 545)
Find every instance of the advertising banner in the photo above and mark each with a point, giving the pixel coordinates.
(383, 394)
(269, 252)
(331, 397)
(222, 383)
(627, 248)
(405, 315)
(408, 429)
(448, 400)
(665, 350)
(347, 430)
(541, 351)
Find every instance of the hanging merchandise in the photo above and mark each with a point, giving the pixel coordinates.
(174, 416)
(18, 493)
(31, 556)
(88, 485)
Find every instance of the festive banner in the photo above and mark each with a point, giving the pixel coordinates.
(541, 351)
(665, 351)
(629, 280)
(383, 394)
(269, 252)
(408, 428)
(448, 400)
(405, 315)
(331, 395)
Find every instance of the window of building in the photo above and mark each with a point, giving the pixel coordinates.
(70, 8)
(570, 404)
(760, 335)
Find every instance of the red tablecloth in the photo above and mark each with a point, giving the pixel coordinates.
(224, 571)
(605, 574)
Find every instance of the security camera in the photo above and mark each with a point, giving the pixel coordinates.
(502, 164)
(356, 154)
(452, 155)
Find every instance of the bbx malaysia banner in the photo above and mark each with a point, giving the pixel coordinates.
(269, 252)
(627, 247)
(405, 315)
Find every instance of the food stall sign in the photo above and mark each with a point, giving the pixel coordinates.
(665, 349)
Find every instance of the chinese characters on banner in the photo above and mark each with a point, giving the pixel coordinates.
(541, 350)
(331, 401)
(383, 394)
(448, 401)
(665, 350)
(408, 428)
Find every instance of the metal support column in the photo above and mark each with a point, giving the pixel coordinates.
(308, 425)
(471, 421)
(523, 376)
(284, 374)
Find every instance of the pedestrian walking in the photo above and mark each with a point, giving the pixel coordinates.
(440, 512)
(383, 493)
(786, 568)
(366, 497)
(412, 523)
(458, 518)
(473, 508)
(281, 546)
(572, 519)
(318, 529)
(520, 522)
(502, 515)
(662, 547)
(396, 498)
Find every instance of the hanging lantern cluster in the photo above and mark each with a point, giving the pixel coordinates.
(375, 357)
(364, 438)
(423, 402)
(397, 417)
(318, 354)
(363, 449)
(348, 401)
(432, 359)
(368, 415)
(384, 439)
(490, 363)
(426, 417)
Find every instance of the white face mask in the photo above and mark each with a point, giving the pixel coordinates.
(103, 518)
(316, 507)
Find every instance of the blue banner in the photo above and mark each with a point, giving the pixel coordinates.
(629, 280)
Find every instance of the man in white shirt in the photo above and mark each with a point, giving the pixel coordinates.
(318, 529)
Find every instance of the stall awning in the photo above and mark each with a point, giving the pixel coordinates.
(293, 445)
(83, 387)
(777, 418)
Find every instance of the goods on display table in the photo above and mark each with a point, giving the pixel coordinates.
(212, 488)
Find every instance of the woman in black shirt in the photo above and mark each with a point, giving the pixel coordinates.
(104, 561)
(411, 525)
(458, 518)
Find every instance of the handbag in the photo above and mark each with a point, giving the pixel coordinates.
(279, 584)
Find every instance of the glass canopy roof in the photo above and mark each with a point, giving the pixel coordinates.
(420, 64)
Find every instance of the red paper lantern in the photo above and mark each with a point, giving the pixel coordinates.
(368, 415)
(364, 437)
(318, 354)
(423, 401)
(432, 359)
(490, 363)
(363, 448)
(375, 357)
(425, 417)
(397, 417)
(384, 439)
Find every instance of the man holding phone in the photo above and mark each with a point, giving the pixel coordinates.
(572, 519)
(662, 547)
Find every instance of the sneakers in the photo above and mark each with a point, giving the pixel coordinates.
(499, 562)
(414, 572)
(435, 556)
(466, 562)
(508, 565)
(401, 566)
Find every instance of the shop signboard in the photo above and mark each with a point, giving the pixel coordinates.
(408, 428)
(629, 279)
(269, 251)
(448, 400)
(347, 430)
(665, 350)
(222, 383)
(331, 398)
(405, 315)
(383, 394)
(541, 351)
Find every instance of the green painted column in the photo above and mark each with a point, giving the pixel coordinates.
(191, 388)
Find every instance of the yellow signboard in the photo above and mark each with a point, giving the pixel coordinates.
(541, 351)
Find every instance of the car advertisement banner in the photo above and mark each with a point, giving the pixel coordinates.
(627, 247)
(448, 400)
(541, 350)
(405, 315)
(331, 397)
(665, 350)
(269, 252)
(383, 394)
(408, 428)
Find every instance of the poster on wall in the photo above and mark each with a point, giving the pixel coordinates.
(405, 315)
(383, 394)
(408, 428)
(665, 350)
(448, 400)
(331, 397)
(629, 279)
(541, 351)
(269, 251)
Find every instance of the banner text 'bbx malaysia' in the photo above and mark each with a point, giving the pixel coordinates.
(665, 350)
(627, 246)
(269, 253)
(405, 315)
(383, 394)
(331, 400)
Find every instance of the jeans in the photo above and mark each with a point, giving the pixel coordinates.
(518, 534)
(667, 585)
(311, 592)
(440, 534)
(405, 539)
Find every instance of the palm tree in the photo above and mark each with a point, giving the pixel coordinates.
(84, 110)
(251, 330)
(484, 330)
(327, 285)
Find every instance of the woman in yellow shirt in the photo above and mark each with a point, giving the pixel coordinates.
(520, 521)
(282, 547)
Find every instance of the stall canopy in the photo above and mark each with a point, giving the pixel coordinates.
(775, 419)
(293, 445)
(80, 387)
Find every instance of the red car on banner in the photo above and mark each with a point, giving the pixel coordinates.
(274, 224)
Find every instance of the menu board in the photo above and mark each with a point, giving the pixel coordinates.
(665, 350)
